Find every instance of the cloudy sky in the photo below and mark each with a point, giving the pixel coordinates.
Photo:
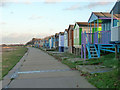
(24, 19)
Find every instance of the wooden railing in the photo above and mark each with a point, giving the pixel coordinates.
(101, 37)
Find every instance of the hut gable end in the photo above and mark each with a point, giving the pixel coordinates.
(92, 18)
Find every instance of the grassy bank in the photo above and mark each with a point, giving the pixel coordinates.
(107, 79)
(10, 57)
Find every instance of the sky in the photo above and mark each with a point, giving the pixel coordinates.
(20, 21)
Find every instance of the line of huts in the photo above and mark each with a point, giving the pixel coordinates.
(100, 33)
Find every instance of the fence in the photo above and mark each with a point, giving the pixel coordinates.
(101, 37)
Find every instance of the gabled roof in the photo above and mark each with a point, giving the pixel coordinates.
(66, 30)
(52, 36)
(100, 15)
(70, 26)
(56, 33)
(116, 8)
(62, 33)
(47, 38)
(36, 39)
(85, 24)
(82, 23)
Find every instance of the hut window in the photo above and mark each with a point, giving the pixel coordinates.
(115, 22)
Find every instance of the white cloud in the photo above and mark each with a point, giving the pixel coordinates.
(52, 1)
(90, 5)
(74, 7)
(3, 23)
(33, 17)
(27, 2)
(4, 3)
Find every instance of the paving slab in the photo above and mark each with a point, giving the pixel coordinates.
(93, 68)
(52, 82)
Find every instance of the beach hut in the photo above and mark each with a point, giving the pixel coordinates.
(66, 40)
(37, 42)
(99, 37)
(79, 27)
(46, 42)
(56, 41)
(51, 41)
(70, 38)
(115, 23)
(115, 26)
(41, 42)
(61, 42)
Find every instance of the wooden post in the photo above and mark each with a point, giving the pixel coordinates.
(97, 30)
(81, 51)
(98, 50)
(88, 27)
(118, 49)
(116, 52)
(94, 33)
(112, 20)
(90, 36)
(85, 51)
(94, 26)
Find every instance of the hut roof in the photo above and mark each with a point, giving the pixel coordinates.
(100, 15)
(66, 29)
(62, 33)
(116, 8)
(70, 26)
(82, 23)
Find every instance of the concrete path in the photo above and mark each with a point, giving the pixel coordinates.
(43, 71)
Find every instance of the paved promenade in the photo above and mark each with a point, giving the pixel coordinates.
(41, 70)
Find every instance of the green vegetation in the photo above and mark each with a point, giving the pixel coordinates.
(70, 55)
(10, 57)
(106, 60)
(108, 79)
(69, 63)
(105, 80)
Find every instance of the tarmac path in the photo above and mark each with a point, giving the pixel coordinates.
(41, 70)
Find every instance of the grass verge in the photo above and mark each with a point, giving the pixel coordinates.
(11, 57)
(107, 79)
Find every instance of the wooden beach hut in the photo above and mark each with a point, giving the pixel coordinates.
(115, 26)
(66, 40)
(79, 27)
(115, 23)
(41, 42)
(37, 42)
(61, 42)
(51, 41)
(56, 41)
(46, 42)
(70, 38)
(99, 36)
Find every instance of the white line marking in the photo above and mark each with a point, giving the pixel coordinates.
(26, 72)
